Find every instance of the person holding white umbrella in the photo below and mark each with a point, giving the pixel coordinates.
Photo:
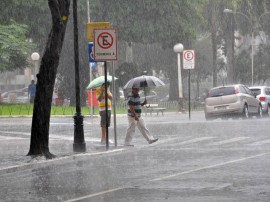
(134, 118)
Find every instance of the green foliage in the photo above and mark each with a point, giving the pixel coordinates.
(243, 68)
(204, 61)
(261, 64)
(13, 46)
(20, 21)
(252, 16)
(251, 11)
(127, 71)
(150, 21)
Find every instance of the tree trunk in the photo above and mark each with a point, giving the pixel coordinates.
(229, 41)
(129, 52)
(39, 144)
(214, 29)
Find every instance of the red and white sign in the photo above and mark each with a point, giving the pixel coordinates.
(105, 44)
(188, 59)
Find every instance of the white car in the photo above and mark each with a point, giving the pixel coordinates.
(231, 100)
(263, 95)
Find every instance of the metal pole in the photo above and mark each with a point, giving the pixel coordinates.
(79, 143)
(189, 93)
(91, 91)
(106, 106)
(114, 106)
(252, 55)
(88, 11)
(91, 97)
(180, 91)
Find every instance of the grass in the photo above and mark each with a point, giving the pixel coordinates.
(27, 109)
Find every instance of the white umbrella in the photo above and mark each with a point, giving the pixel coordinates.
(144, 82)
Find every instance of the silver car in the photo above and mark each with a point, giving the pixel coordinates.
(263, 95)
(232, 100)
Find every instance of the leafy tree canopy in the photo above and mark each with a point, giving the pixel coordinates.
(13, 46)
(152, 21)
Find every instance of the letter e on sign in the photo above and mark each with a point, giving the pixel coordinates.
(188, 59)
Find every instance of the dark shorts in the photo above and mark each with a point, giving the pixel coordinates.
(103, 118)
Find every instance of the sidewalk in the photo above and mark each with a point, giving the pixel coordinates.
(13, 153)
(13, 150)
(14, 147)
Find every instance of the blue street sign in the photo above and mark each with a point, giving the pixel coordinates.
(91, 51)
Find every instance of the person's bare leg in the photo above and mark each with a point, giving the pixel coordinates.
(103, 137)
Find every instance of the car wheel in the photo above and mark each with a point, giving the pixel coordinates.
(266, 114)
(235, 117)
(224, 117)
(260, 112)
(245, 114)
(207, 117)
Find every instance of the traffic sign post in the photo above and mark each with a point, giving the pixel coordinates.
(105, 48)
(188, 63)
(188, 59)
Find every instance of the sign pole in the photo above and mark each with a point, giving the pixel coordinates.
(105, 49)
(189, 63)
(189, 94)
(106, 105)
(114, 106)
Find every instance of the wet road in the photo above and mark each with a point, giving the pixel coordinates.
(193, 161)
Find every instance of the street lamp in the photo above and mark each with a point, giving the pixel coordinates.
(178, 48)
(79, 142)
(252, 35)
(35, 57)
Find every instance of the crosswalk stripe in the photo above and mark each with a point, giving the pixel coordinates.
(195, 140)
(237, 139)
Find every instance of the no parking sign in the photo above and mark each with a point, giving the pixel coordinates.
(105, 44)
(188, 59)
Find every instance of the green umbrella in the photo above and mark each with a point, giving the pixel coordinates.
(97, 82)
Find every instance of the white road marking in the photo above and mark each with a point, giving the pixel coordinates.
(170, 176)
(237, 139)
(52, 136)
(9, 138)
(96, 194)
(261, 142)
(209, 167)
(195, 140)
(69, 123)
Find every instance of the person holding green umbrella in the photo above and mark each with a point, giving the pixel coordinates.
(100, 93)
(99, 81)
(99, 85)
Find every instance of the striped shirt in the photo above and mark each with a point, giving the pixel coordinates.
(102, 104)
(135, 101)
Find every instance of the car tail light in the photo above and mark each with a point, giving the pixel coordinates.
(236, 91)
(262, 98)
